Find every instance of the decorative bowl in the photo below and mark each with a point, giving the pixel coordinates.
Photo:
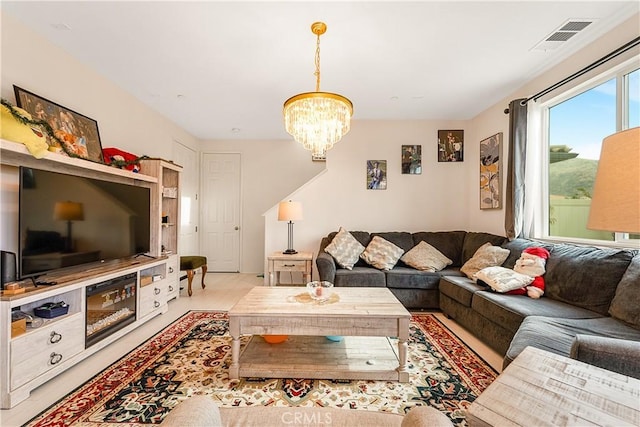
(319, 290)
(275, 339)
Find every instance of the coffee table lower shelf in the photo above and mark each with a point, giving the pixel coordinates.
(316, 357)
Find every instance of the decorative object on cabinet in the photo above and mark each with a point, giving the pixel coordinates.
(14, 129)
(317, 120)
(78, 133)
(490, 172)
(121, 159)
(290, 211)
(412, 159)
(376, 174)
(450, 145)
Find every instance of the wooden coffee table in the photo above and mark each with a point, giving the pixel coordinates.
(366, 318)
(544, 389)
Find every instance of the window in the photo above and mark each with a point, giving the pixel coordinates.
(577, 122)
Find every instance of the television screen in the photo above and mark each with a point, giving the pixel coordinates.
(68, 220)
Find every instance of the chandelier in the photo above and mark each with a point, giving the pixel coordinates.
(317, 120)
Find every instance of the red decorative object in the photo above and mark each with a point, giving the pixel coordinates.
(117, 155)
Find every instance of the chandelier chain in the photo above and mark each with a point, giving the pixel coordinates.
(317, 73)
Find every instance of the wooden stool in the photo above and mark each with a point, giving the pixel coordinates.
(192, 263)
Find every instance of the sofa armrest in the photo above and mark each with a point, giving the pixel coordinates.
(617, 355)
(325, 263)
(196, 411)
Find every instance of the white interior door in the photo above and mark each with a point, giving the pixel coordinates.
(189, 209)
(220, 240)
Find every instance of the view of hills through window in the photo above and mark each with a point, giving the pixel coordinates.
(577, 127)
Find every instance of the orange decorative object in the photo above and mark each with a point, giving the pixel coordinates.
(275, 339)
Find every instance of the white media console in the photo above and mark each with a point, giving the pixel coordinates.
(32, 356)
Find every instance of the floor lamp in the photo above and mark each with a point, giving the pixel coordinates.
(68, 211)
(615, 205)
(290, 211)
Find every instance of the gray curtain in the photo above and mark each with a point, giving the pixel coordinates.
(514, 205)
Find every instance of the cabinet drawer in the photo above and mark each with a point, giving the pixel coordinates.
(38, 351)
(293, 265)
(152, 297)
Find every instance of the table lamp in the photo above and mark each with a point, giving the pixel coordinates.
(615, 205)
(68, 211)
(290, 211)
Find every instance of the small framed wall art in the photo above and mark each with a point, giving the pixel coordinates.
(79, 132)
(376, 174)
(451, 145)
(490, 172)
(412, 159)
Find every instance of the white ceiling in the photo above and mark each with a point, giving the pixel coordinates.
(215, 66)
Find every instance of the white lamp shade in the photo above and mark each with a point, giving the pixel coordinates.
(615, 205)
(289, 211)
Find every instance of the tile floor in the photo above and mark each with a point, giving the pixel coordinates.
(222, 291)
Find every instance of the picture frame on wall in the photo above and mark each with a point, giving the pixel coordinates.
(412, 159)
(376, 174)
(451, 145)
(79, 132)
(491, 172)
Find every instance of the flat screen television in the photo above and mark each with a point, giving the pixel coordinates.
(67, 220)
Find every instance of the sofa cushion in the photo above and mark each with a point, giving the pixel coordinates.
(381, 253)
(502, 279)
(516, 246)
(425, 257)
(626, 302)
(556, 334)
(487, 255)
(364, 237)
(345, 249)
(459, 288)
(585, 276)
(409, 278)
(448, 242)
(360, 276)
(509, 311)
(473, 241)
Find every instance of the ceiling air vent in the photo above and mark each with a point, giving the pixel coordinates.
(562, 34)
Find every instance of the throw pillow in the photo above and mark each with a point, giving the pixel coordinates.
(345, 249)
(425, 257)
(487, 255)
(381, 253)
(502, 279)
(625, 305)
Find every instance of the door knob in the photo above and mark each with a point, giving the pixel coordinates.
(236, 228)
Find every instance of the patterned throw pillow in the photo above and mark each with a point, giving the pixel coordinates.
(502, 279)
(381, 253)
(345, 249)
(487, 255)
(425, 257)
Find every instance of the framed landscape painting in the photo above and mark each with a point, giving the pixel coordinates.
(376, 174)
(79, 133)
(490, 172)
(451, 145)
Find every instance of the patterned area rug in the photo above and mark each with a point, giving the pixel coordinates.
(191, 357)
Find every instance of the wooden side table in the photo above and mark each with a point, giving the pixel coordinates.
(544, 389)
(279, 262)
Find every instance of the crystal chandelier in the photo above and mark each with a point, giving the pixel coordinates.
(317, 119)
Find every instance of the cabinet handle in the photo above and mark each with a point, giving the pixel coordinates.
(170, 288)
(170, 269)
(289, 265)
(156, 291)
(156, 304)
(55, 337)
(55, 358)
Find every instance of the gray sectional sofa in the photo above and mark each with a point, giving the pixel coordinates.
(590, 309)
